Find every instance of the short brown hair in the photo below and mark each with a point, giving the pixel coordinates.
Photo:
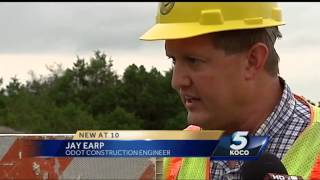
(240, 40)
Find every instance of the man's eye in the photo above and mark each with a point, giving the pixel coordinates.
(193, 60)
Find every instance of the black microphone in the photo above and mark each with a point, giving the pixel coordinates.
(257, 170)
(274, 176)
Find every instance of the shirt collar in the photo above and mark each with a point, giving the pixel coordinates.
(280, 114)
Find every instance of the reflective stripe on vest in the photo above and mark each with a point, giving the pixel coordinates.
(182, 168)
(315, 173)
(302, 159)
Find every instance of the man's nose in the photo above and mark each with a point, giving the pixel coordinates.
(180, 77)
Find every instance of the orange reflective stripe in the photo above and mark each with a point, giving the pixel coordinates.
(176, 163)
(315, 173)
(208, 170)
(174, 167)
(312, 109)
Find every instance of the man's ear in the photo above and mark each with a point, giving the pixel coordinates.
(257, 56)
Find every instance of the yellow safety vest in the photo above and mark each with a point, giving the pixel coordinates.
(302, 159)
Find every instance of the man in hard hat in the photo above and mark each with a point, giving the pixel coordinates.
(226, 72)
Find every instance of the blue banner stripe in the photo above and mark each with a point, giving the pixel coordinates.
(215, 149)
(126, 148)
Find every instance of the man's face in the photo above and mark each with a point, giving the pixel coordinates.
(210, 83)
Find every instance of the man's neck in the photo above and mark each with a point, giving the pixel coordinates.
(263, 103)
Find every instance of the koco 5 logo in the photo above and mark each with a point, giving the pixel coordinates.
(238, 142)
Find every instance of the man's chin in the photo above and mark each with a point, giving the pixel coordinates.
(200, 120)
(195, 121)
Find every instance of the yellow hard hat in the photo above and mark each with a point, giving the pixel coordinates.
(177, 20)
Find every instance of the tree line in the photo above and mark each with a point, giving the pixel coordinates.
(90, 95)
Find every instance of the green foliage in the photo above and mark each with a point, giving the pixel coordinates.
(90, 95)
(119, 119)
(177, 122)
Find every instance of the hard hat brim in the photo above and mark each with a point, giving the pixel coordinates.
(167, 31)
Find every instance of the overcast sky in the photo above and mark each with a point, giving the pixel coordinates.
(35, 34)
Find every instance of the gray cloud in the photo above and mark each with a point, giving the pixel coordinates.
(77, 27)
(60, 27)
(302, 27)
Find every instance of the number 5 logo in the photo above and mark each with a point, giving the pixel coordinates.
(239, 137)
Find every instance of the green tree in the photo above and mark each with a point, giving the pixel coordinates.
(120, 119)
(14, 87)
(90, 95)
